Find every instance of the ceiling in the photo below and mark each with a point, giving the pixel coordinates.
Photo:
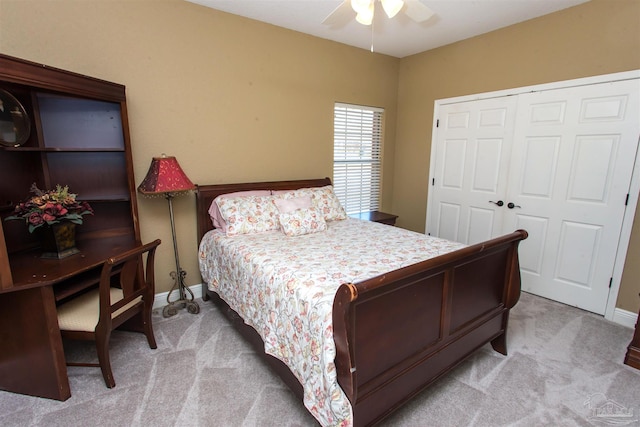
(454, 20)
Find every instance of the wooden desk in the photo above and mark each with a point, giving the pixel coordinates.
(31, 354)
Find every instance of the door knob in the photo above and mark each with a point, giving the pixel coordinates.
(499, 202)
(511, 205)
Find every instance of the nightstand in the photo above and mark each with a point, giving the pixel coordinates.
(377, 216)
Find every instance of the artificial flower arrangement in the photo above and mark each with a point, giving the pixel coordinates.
(50, 207)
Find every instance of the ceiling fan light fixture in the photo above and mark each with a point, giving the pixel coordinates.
(392, 7)
(365, 16)
(360, 6)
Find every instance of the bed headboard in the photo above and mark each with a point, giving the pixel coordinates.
(205, 194)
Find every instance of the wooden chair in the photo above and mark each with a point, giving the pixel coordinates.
(125, 294)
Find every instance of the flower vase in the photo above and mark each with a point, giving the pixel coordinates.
(59, 240)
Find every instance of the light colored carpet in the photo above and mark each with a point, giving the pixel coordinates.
(564, 368)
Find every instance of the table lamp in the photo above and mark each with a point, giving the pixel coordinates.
(166, 178)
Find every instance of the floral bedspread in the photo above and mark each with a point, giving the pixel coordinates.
(284, 288)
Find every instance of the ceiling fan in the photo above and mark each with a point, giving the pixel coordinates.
(365, 10)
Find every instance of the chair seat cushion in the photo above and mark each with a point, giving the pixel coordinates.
(82, 313)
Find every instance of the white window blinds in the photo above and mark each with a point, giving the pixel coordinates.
(357, 156)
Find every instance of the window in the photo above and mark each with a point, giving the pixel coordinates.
(357, 156)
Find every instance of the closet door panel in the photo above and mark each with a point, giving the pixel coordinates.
(473, 151)
(572, 158)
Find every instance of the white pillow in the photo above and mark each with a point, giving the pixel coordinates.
(323, 198)
(290, 205)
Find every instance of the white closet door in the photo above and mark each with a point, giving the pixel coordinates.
(470, 178)
(561, 161)
(572, 159)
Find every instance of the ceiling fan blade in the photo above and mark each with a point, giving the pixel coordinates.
(417, 11)
(340, 14)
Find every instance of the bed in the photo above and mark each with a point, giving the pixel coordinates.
(389, 334)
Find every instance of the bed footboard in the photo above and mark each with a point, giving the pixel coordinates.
(397, 333)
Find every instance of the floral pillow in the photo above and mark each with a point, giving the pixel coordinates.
(323, 198)
(302, 221)
(214, 211)
(252, 214)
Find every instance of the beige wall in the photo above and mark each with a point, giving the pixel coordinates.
(233, 99)
(237, 100)
(598, 37)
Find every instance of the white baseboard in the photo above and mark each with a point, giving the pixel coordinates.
(160, 300)
(624, 318)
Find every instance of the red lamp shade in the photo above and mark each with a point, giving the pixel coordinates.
(165, 176)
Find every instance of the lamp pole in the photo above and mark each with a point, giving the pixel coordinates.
(173, 306)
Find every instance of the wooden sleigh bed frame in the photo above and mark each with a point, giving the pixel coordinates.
(397, 333)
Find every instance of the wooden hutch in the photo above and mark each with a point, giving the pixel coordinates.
(79, 137)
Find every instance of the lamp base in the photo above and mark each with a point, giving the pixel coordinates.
(185, 301)
(172, 308)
